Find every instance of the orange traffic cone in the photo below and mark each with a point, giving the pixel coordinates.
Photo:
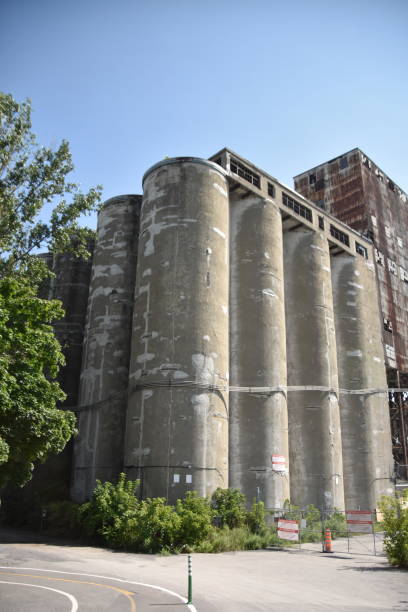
(327, 541)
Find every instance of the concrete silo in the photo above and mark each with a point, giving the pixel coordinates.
(177, 421)
(258, 418)
(105, 365)
(366, 437)
(314, 421)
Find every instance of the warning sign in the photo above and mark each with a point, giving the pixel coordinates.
(278, 463)
(359, 521)
(288, 530)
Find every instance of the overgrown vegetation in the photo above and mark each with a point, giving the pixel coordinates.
(116, 518)
(395, 522)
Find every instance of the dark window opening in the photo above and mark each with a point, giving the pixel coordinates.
(312, 179)
(361, 250)
(391, 185)
(321, 222)
(366, 162)
(271, 190)
(299, 209)
(340, 236)
(321, 204)
(343, 163)
(245, 173)
(319, 185)
(217, 161)
(387, 325)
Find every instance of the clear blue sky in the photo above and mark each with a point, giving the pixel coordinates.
(287, 85)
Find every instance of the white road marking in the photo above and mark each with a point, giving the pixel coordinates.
(150, 586)
(74, 603)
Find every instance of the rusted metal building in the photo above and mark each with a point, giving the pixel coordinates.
(356, 191)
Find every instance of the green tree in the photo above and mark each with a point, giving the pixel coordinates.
(30, 425)
(31, 178)
(229, 507)
(395, 513)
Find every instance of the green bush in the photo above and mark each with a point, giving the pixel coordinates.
(196, 517)
(227, 540)
(157, 527)
(255, 518)
(395, 530)
(229, 507)
(111, 512)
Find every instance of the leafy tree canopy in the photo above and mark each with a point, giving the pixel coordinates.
(31, 177)
(30, 425)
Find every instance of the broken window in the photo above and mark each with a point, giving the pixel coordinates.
(392, 266)
(271, 190)
(321, 222)
(379, 257)
(387, 324)
(245, 173)
(339, 235)
(366, 162)
(403, 275)
(391, 185)
(343, 163)
(319, 185)
(312, 179)
(361, 250)
(217, 161)
(299, 209)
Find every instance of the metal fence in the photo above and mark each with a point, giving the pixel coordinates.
(351, 531)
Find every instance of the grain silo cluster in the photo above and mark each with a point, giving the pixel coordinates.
(233, 338)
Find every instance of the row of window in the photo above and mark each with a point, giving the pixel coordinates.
(297, 207)
(392, 266)
(245, 173)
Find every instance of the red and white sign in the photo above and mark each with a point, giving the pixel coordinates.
(359, 521)
(288, 530)
(278, 463)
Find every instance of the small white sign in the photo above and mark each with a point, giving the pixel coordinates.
(288, 530)
(189, 478)
(359, 521)
(176, 478)
(278, 463)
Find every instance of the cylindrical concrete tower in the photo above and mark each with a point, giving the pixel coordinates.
(177, 421)
(367, 452)
(316, 471)
(105, 365)
(258, 420)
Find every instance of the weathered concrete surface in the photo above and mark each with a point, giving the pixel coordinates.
(177, 421)
(258, 422)
(105, 367)
(316, 471)
(366, 438)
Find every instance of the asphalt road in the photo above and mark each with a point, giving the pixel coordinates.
(44, 576)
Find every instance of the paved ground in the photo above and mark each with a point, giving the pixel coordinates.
(66, 578)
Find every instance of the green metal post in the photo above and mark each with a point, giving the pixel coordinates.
(190, 581)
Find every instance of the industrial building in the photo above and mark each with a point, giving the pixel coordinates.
(355, 190)
(232, 338)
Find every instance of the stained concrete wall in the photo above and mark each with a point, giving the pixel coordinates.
(258, 421)
(316, 470)
(177, 421)
(105, 366)
(366, 437)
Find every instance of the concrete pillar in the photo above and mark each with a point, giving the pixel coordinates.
(316, 471)
(258, 421)
(367, 453)
(105, 367)
(177, 421)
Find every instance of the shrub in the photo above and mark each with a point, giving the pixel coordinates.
(255, 518)
(111, 513)
(229, 507)
(395, 530)
(196, 516)
(158, 526)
